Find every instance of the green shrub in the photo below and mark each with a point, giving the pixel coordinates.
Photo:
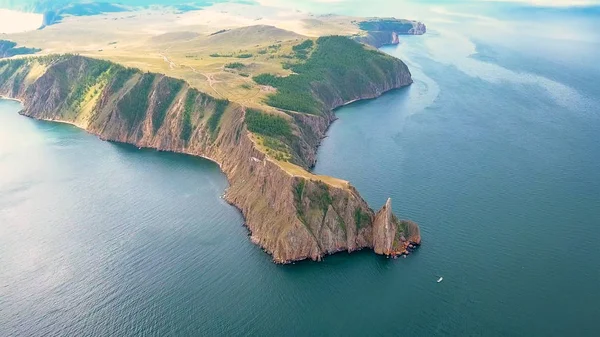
(134, 104)
(335, 60)
(93, 72)
(321, 197)
(361, 219)
(10, 67)
(53, 58)
(221, 55)
(303, 46)
(268, 125)
(275, 144)
(298, 191)
(188, 108)
(160, 111)
(120, 76)
(235, 65)
(215, 118)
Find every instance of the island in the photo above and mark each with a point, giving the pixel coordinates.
(256, 99)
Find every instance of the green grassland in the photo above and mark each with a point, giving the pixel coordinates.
(271, 67)
(180, 44)
(335, 60)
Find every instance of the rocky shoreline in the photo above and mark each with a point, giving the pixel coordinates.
(382, 32)
(292, 216)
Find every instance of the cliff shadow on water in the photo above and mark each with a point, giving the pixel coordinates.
(291, 213)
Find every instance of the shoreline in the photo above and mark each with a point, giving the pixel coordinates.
(11, 99)
(410, 246)
(238, 173)
(83, 128)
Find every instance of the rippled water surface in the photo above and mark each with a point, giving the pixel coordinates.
(493, 150)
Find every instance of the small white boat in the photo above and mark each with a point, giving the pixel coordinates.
(440, 279)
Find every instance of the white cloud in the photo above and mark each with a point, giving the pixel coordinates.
(553, 3)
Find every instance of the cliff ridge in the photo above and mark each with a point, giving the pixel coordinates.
(291, 213)
(379, 32)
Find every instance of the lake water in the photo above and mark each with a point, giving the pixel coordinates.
(493, 150)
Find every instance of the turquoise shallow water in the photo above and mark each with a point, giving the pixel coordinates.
(493, 151)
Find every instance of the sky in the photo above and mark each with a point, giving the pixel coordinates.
(555, 3)
(13, 22)
(543, 3)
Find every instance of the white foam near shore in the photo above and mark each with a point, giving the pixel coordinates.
(17, 22)
(10, 99)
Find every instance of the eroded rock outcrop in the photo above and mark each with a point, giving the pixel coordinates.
(392, 236)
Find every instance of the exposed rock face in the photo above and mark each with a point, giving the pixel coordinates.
(383, 230)
(391, 236)
(381, 32)
(378, 39)
(292, 217)
(315, 127)
(418, 29)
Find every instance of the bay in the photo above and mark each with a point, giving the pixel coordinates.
(493, 151)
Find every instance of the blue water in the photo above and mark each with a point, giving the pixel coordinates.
(493, 150)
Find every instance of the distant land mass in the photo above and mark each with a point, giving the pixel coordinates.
(55, 10)
(257, 99)
(41, 6)
(9, 48)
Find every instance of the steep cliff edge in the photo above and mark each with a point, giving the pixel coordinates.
(338, 71)
(290, 212)
(390, 234)
(380, 32)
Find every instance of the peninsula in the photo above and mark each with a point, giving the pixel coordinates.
(256, 99)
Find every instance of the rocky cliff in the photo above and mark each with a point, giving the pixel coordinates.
(380, 32)
(338, 71)
(290, 212)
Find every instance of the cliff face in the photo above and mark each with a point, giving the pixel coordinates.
(315, 127)
(381, 32)
(392, 236)
(378, 39)
(293, 216)
(337, 72)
